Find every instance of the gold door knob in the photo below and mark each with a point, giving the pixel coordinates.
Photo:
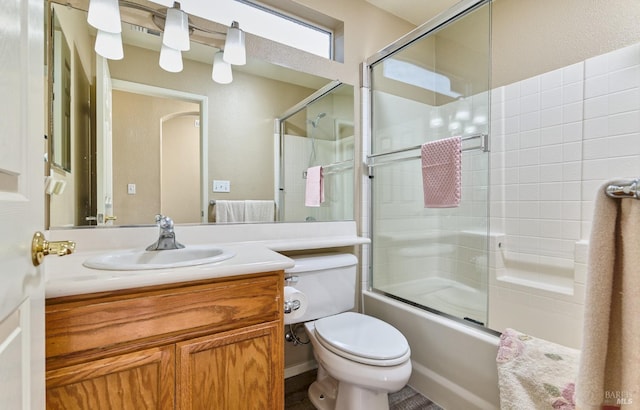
(110, 218)
(40, 248)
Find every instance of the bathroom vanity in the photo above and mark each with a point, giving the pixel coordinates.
(214, 343)
(200, 337)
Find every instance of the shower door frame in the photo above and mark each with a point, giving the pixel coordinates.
(450, 15)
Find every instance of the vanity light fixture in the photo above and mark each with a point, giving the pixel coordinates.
(174, 23)
(221, 72)
(170, 59)
(104, 15)
(176, 29)
(109, 45)
(234, 50)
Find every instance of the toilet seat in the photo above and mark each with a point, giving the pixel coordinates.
(363, 339)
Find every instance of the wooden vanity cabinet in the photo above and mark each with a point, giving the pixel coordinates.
(215, 344)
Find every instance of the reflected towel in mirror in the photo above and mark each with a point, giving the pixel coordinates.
(259, 211)
(314, 192)
(229, 211)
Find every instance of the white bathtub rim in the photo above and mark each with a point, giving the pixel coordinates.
(486, 336)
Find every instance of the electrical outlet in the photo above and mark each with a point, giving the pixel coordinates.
(221, 186)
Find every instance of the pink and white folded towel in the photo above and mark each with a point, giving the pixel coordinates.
(441, 170)
(314, 192)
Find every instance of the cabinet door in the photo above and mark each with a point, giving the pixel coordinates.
(240, 369)
(135, 381)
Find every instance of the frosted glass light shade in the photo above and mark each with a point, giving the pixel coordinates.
(105, 15)
(221, 69)
(234, 51)
(176, 29)
(170, 59)
(109, 45)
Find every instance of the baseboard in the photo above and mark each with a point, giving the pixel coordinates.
(300, 368)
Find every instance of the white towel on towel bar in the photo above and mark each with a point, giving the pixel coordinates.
(259, 211)
(609, 374)
(229, 211)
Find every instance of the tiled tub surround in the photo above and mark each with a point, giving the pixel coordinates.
(255, 245)
(555, 139)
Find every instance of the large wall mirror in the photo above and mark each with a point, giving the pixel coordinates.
(140, 137)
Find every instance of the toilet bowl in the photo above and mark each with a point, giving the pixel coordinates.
(361, 359)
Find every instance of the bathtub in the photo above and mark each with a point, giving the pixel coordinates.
(443, 294)
(453, 364)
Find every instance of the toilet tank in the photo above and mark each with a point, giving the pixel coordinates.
(328, 282)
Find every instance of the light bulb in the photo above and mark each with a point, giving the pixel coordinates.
(176, 29)
(234, 50)
(105, 15)
(170, 59)
(221, 72)
(109, 45)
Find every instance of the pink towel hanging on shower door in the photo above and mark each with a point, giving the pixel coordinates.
(441, 170)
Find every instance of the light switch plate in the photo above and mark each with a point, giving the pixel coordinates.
(131, 189)
(221, 186)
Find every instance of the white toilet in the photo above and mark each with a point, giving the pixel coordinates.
(361, 359)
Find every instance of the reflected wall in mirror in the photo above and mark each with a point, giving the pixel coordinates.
(60, 133)
(238, 118)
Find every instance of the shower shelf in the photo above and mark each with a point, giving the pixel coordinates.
(551, 278)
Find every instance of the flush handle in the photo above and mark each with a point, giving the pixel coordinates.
(291, 305)
(40, 248)
(291, 280)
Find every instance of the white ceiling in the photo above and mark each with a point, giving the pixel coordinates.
(416, 12)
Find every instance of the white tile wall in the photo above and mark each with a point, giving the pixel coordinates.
(556, 139)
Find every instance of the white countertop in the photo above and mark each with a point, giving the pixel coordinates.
(70, 277)
(67, 275)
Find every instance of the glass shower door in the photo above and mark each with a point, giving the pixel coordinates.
(431, 88)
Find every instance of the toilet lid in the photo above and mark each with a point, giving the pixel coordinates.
(362, 338)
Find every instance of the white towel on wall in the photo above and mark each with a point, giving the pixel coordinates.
(229, 211)
(609, 374)
(259, 211)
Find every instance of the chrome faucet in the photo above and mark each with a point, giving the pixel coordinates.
(167, 237)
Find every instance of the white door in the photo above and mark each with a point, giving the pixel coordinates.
(104, 162)
(21, 203)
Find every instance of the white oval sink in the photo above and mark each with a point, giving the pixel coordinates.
(143, 260)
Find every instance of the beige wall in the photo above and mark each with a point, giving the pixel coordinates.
(530, 37)
(136, 153)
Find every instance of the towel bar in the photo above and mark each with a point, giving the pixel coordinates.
(624, 189)
(392, 156)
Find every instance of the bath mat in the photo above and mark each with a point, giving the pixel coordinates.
(535, 373)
